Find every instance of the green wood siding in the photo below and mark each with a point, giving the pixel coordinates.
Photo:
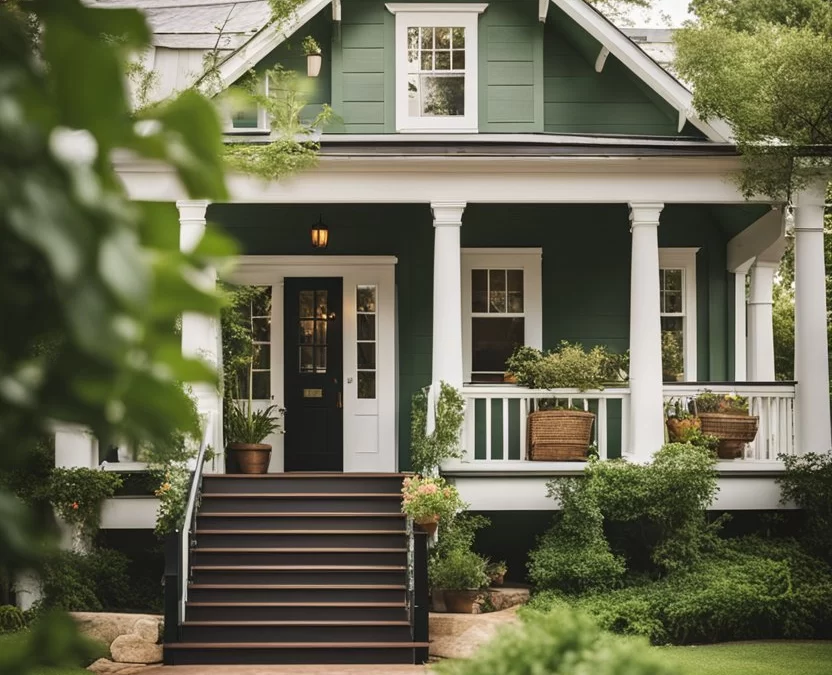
(586, 272)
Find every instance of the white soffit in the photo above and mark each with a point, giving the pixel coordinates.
(644, 67)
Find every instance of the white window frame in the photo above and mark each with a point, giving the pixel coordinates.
(263, 123)
(685, 259)
(412, 15)
(530, 260)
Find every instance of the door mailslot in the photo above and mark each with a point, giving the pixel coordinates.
(313, 393)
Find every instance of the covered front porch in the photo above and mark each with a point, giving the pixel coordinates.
(592, 237)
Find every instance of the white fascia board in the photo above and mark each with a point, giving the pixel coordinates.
(645, 68)
(266, 40)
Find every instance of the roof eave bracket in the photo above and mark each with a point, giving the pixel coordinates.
(543, 10)
(602, 59)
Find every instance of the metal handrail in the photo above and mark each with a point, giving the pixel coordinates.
(190, 508)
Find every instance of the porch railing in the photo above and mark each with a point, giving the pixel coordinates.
(772, 402)
(495, 419)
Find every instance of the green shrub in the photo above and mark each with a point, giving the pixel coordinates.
(11, 619)
(573, 555)
(751, 589)
(428, 451)
(560, 642)
(77, 495)
(87, 582)
(808, 483)
(568, 366)
(458, 570)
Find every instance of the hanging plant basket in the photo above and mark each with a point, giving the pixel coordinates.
(313, 64)
(428, 525)
(677, 429)
(559, 435)
(733, 432)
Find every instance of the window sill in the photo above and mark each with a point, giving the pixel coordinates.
(435, 130)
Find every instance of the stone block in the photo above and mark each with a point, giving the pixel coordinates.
(133, 649)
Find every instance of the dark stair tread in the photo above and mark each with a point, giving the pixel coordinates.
(296, 645)
(294, 623)
(365, 587)
(297, 604)
(336, 549)
(302, 514)
(299, 495)
(302, 568)
(296, 532)
(308, 474)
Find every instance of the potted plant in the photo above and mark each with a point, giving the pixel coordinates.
(496, 572)
(461, 575)
(557, 431)
(726, 417)
(247, 429)
(430, 501)
(314, 60)
(681, 424)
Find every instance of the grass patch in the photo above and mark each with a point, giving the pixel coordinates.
(754, 658)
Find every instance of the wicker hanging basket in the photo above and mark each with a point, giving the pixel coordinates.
(733, 432)
(559, 435)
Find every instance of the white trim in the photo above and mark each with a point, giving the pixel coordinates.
(542, 10)
(422, 14)
(685, 259)
(360, 416)
(530, 260)
(261, 45)
(645, 68)
(601, 61)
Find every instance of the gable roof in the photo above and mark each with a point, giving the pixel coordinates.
(248, 36)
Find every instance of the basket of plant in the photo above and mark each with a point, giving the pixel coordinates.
(726, 417)
(557, 431)
(430, 501)
(681, 424)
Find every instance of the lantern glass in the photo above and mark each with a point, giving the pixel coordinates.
(320, 236)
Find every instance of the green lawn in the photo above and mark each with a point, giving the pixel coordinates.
(755, 658)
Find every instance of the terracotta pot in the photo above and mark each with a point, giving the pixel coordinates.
(251, 457)
(677, 428)
(460, 602)
(313, 65)
(428, 525)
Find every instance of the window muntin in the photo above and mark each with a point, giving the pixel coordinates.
(367, 340)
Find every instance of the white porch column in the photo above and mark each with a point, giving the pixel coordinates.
(201, 333)
(447, 293)
(646, 402)
(740, 324)
(761, 322)
(811, 366)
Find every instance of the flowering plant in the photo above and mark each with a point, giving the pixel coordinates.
(729, 404)
(173, 498)
(430, 499)
(77, 495)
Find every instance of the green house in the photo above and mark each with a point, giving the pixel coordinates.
(502, 173)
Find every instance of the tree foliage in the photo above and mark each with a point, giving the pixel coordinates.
(766, 67)
(82, 267)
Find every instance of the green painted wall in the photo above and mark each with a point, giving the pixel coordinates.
(532, 77)
(586, 270)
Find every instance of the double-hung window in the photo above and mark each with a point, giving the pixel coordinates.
(677, 288)
(501, 295)
(436, 66)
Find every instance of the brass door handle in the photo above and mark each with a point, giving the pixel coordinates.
(338, 402)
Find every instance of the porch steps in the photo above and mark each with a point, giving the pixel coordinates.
(297, 569)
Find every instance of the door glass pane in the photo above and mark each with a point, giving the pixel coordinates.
(261, 384)
(306, 332)
(366, 384)
(366, 327)
(307, 304)
(366, 355)
(262, 357)
(366, 299)
(261, 329)
(320, 333)
(320, 359)
(321, 304)
(307, 362)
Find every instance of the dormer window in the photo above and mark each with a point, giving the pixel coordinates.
(436, 66)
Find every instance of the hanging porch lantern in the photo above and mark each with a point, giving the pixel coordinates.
(320, 234)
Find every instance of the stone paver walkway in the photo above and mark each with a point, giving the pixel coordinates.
(287, 670)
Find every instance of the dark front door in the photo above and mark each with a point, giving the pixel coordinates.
(313, 367)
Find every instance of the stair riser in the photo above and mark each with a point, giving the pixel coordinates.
(301, 613)
(279, 522)
(313, 484)
(295, 633)
(227, 656)
(310, 540)
(286, 558)
(335, 577)
(301, 595)
(304, 504)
